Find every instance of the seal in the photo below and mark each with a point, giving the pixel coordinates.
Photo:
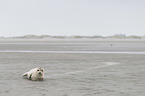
(36, 74)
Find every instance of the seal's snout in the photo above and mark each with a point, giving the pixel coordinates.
(39, 73)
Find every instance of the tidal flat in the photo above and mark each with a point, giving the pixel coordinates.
(73, 67)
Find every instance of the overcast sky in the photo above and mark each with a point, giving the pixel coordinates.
(72, 17)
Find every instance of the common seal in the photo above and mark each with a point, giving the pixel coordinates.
(36, 74)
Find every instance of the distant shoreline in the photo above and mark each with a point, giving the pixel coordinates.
(83, 40)
(115, 36)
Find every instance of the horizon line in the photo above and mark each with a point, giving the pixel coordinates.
(120, 34)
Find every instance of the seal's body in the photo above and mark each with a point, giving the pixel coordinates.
(36, 74)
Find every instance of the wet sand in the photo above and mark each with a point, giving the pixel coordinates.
(73, 74)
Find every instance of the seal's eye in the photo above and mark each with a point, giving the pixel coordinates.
(42, 70)
(37, 70)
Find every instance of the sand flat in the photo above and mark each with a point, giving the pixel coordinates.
(74, 74)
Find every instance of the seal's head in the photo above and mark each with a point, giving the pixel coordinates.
(40, 71)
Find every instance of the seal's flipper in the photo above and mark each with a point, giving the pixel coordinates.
(25, 74)
(30, 77)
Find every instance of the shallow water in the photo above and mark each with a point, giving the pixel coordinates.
(85, 52)
(107, 46)
(73, 73)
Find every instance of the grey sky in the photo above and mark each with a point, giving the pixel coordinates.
(72, 17)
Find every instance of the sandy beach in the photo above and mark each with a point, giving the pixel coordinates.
(76, 73)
